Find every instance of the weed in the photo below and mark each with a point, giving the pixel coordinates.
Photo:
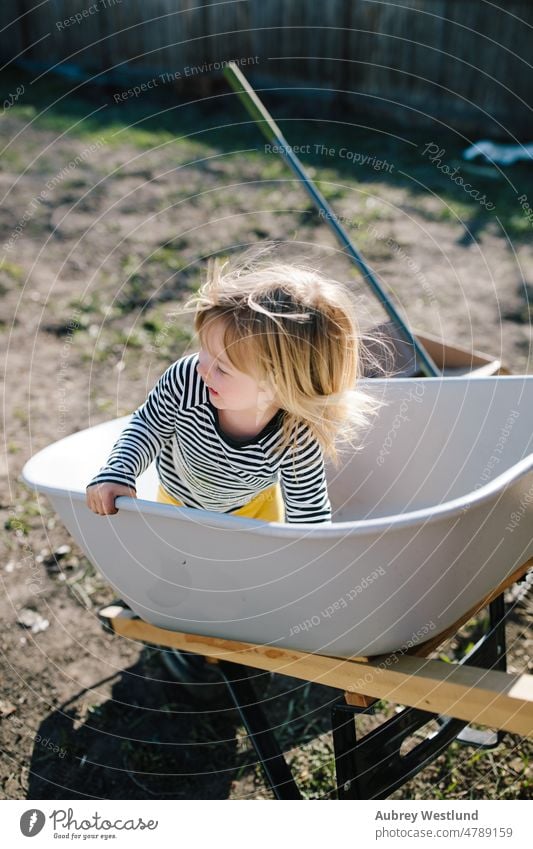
(12, 270)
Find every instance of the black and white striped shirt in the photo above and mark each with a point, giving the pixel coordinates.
(202, 466)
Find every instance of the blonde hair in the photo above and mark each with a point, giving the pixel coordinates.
(293, 328)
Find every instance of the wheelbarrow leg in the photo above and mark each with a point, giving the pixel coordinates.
(373, 767)
(490, 651)
(344, 745)
(275, 767)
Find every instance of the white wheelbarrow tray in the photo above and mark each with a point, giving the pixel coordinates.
(431, 515)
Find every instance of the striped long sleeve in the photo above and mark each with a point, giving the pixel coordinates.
(204, 467)
(151, 427)
(303, 482)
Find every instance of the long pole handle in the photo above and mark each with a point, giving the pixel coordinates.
(272, 132)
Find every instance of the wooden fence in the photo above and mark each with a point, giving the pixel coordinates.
(466, 63)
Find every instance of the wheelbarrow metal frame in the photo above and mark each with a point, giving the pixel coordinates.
(477, 689)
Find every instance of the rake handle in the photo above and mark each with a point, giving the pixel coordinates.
(272, 132)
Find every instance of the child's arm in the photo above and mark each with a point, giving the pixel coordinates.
(304, 485)
(151, 426)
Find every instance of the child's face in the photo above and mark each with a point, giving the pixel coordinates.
(229, 389)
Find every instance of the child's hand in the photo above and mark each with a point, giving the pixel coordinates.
(101, 497)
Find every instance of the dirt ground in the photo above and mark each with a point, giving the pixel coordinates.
(107, 219)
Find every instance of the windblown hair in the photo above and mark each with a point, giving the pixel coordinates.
(293, 328)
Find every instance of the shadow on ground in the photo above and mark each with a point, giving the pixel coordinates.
(153, 739)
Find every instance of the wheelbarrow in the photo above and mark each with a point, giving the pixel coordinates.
(431, 521)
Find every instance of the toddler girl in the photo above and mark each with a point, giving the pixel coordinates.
(244, 425)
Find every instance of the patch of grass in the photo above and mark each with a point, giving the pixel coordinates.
(89, 304)
(169, 334)
(105, 404)
(67, 328)
(162, 118)
(136, 288)
(17, 524)
(12, 270)
(116, 125)
(111, 345)
(160, 333)
(332, 191)
(169, 257)
(272, 167)
(12, 160)
(21, 415)
(314, 764)
(451, 211)
(178, 243)
(74, 183)
(88, 586)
